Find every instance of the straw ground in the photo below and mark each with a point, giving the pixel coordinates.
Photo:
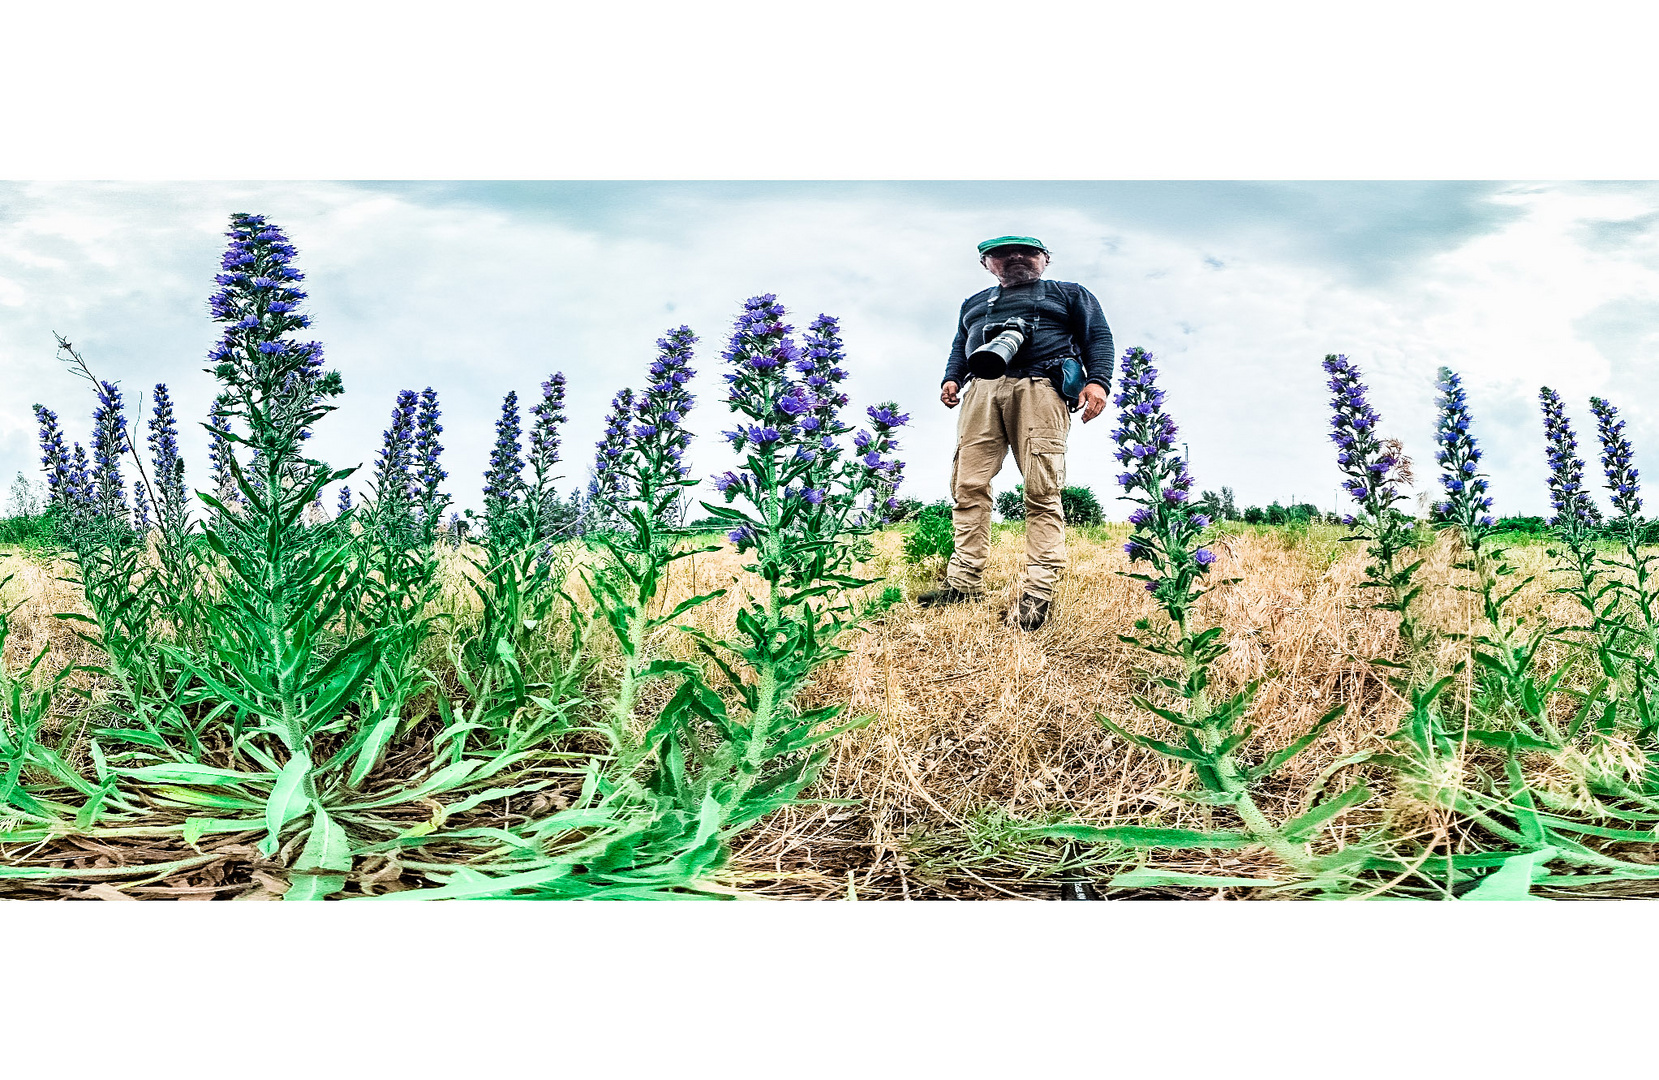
(979, 730)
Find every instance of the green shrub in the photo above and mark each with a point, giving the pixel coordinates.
(33, 531)
(1078, 505)
(932, 536)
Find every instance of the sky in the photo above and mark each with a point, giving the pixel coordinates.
(1239, 289)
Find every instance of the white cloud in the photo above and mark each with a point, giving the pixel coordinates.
(1239, 290)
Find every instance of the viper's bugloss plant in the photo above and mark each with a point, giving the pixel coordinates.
(429, 473)
(1166, 535)
(140, 509)
(542, 503)
(639, 489)
(1165, 529)
(171, 497)
(1576, 514)
(608, 486)
(1375, 471)
(1502, 652)
(55, 462)
(1640, 643)
(394, 482)
(788, 631)
(504, 479)
(109, 442)
(1466, 505)
(220, 453)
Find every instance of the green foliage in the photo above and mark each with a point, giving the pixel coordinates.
(932, 537)
(1078, 505)
(32, 532)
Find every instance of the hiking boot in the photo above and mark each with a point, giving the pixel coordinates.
(1033, 612)
(945, 594)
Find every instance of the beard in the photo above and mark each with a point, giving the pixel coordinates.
(1018, 273)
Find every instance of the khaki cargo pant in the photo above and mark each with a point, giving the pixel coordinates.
(1028, 416)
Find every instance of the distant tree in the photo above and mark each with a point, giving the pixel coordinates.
(1229, 510)
(24, 500)
(1078, 505)
(1255, 515)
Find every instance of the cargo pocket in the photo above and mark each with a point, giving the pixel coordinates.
(1045, 465)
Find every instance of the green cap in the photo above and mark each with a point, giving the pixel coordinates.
(1010, 241)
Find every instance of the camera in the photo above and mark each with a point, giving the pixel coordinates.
(1002, 341)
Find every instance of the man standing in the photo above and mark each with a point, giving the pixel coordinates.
(1018, 408)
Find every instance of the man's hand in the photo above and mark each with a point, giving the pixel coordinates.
(947, 394)
(1094, 400)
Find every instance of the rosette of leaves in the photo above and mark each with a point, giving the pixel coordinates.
(1165, 537)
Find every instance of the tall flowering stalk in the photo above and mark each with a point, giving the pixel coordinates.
(1165, 530)
(1466, 506)
(789, 630)
(1375, 471)
(109, 442)
(283, 586)
(608, 487)
(1640, 644)
(140, 509)
(172, 499)
(1503, 655)
(640, 491)
(1576, 515)
(394, 482)
(220, 453)
(55, 462)
(504, 480)
(541, 499)
(429, 473)
(1166, 535)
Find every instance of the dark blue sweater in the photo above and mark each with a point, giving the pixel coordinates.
(1071, 322)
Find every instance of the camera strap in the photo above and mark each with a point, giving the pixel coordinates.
(1036, 313)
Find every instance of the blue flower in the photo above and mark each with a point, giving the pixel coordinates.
(1617, 459)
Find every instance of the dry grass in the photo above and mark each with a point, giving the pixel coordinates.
(975, 720)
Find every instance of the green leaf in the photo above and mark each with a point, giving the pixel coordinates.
(373, 746)
(197, 827)
(1275, 761)
(1311, 822)
(288, 801)
(1513, 880)
(327, 848)
(193, 774)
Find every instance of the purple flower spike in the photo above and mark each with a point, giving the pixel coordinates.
(1575, 511)
(1467, 503)
(1163, 532)
(1617, 460)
